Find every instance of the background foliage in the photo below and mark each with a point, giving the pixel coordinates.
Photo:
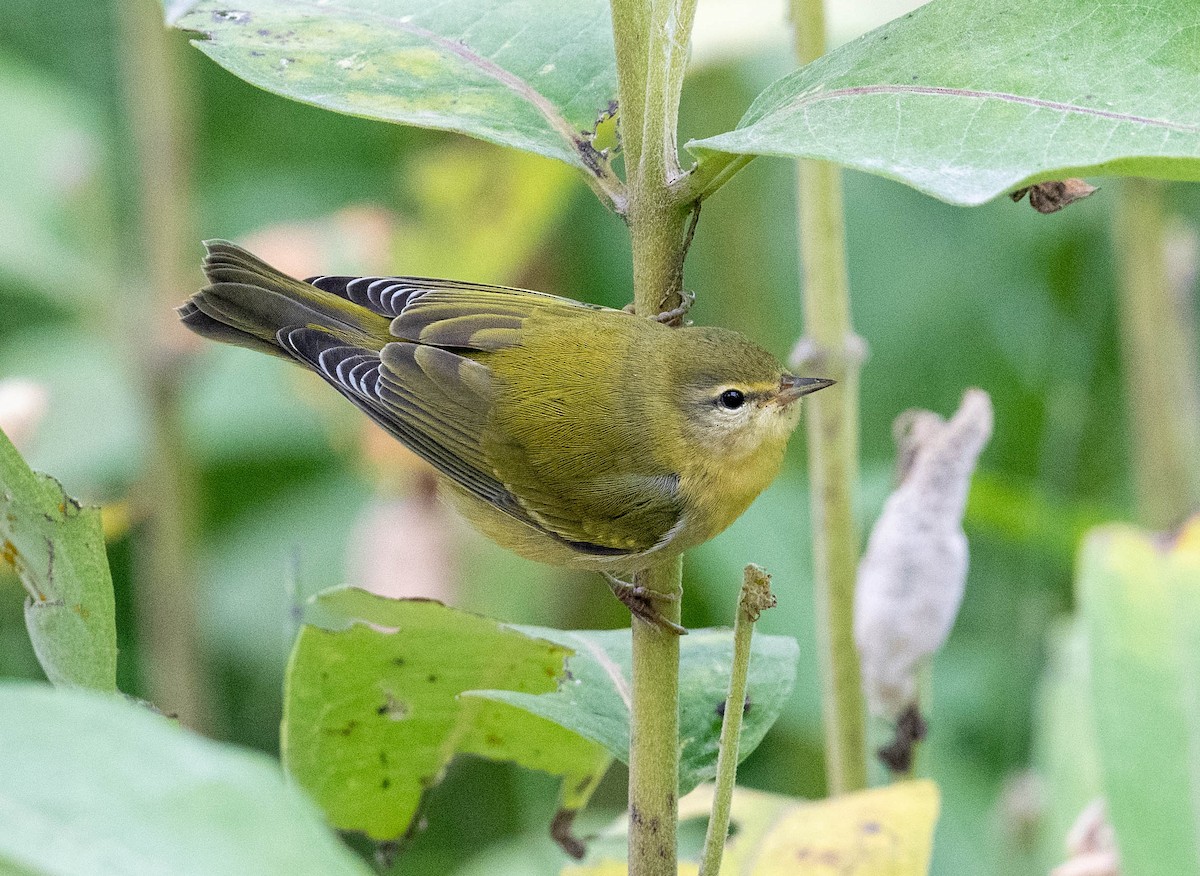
(998, 297)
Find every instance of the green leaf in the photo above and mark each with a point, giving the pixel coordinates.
(595, 703)
(56, 547)
(533, 74)
(372, 713)
(1140, 601)
(964, 99)
(94, 784)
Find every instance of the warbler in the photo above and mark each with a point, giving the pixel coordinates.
(576, 435)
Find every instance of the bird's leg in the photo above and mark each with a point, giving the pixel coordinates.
(640, 602)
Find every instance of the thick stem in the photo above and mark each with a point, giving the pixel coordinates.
(164, 564)
(1158, 339)
(654, 732)
(755, 597)
(651, 40)
(831, 349)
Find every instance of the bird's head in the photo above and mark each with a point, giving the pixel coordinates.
(735, 397)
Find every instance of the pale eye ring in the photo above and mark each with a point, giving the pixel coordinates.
(731, 399)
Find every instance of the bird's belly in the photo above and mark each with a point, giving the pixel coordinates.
(532, 543)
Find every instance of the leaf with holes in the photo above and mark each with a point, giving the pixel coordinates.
(56, 547)
(538, 75)
(965, 100)
(373, 716)
(595, 700)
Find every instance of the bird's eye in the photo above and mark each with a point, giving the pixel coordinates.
(731, 399)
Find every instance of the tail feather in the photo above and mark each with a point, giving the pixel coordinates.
(250, 303)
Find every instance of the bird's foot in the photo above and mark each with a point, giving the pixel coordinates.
(640, 601)
(674, 316)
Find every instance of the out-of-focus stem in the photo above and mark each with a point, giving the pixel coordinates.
(755, 597)
(1158, 341)
(830, 348)
(165, 592)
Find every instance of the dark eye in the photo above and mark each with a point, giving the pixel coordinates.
(731, 399)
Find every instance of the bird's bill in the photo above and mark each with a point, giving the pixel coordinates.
(792, 387)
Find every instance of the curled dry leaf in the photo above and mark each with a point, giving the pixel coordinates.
(911, 579)
(1050, 197)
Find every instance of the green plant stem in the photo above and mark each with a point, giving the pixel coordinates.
(165, 502)
(651, 41)
(1158, 340)
(831, 349)
(755, 597)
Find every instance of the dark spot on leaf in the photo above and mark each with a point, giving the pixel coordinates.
(431, 678)
(386, 783)
(350, 727)
(231, 16)
(493, 740)
(394, 708)
(383, 758)
(8, 553)
(871, 827)
(398, 661)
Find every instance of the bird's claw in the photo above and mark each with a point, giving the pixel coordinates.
(675, 315)
(640, 602)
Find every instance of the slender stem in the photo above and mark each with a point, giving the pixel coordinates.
(651, 39)
(756, 596)
(831, 348)
(1158, 339)
(164, 565)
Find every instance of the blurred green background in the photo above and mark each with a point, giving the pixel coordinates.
(293, 493)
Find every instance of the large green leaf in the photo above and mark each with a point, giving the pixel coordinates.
(534, 74)
(1140, 600)
(93, 784)
(966, 99)
(56, 547)
(595, 703)
(375, 711)
(372, 713)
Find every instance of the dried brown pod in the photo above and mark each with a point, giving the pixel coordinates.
(1052, 196)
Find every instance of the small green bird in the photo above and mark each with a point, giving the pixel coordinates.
(572, 434)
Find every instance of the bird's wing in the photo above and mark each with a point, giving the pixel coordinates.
(428, 392)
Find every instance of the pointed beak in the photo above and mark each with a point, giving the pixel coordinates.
(792, 388)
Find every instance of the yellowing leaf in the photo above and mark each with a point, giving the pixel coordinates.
(881, 832)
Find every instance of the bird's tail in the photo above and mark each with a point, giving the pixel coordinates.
(249, 303)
